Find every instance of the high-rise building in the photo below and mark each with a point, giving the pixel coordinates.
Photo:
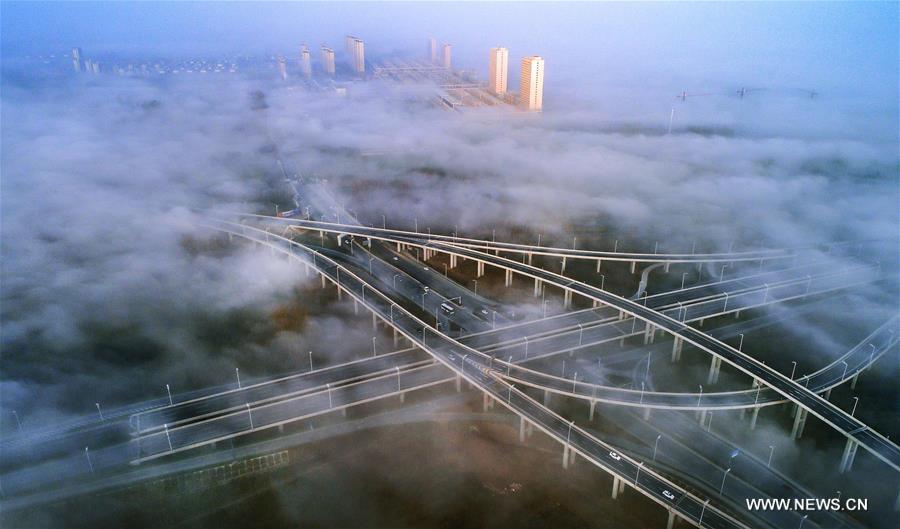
(328, 60)
(497, 70)
(445, 56)
(305, 62)
(348, 44)
(433, 50)
(531, 88)
(358, 56)
(76, 59)
(282, 67)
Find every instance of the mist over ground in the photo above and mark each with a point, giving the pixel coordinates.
(110, 290)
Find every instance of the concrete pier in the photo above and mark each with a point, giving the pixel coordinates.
(537, 287)
(849, 455)
(799, 423)
(753, 418)
(715, 365)
(567, 299)
(479, 269)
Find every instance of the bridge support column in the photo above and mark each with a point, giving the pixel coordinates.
(396, 337)
(355, 307)
(646, 414)
(799, 423)
(546, 397)
(344, 412)
(667, 266)
(715, 365)
(403, 396)
(453, 258)
(753, 418)
(595, 304)
(599, 262)
(670, 523)
(529, 255)
(521, 429)
(487, 402)
(633, 265)
(508, 278)
(565, 461)
(827, 394)
(615, 491)
(849, 455)
(702, 418)
(563, 269)
(458, 384)
(676, 349)
(537, 287)
(323, 281)
(853, 381)
(591, 413)
(737, 314)
(567, 299)
(374, 322)
(340, 295)
(648, 329)
(280, 428)
(479, 269)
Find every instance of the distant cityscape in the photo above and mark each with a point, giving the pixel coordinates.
(456, 89)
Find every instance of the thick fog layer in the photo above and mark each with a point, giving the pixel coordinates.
(110, 291)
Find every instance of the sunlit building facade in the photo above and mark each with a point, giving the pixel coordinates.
(531, 87)
(433, 50)
(445, 56)
(305, 62)
(497, 70)
(328, 60)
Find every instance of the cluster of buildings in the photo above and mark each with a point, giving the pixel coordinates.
(84, 65)
(531, 79)
(356, 53)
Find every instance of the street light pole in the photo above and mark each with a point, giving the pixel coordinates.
(844, 375)
(99, 411)
(237, 373)
(700, 396)
(310, 361)
(721, 488)
(170, 394)
(683, 277)
(602, 281)
(771, 453)
(741, 344)
(855, 402)
(656, 446)
(703, 510)
(793, 370)
(476, 286)
(373, 347)
(636, 476)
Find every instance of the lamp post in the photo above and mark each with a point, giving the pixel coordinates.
(602, 281)
(771, 453)
(310, 361)
(683, 277)
(801, 521)
(170, 394)
(793, 370)
(844, 375)
(741, 343)
(855, 402)
(638, 474)
(722, 487)
(526, 348)
(373, 347)
(656, 446)
(700, 396)
(476, 286)
(87, 454)
(99, 411)
(703, 510)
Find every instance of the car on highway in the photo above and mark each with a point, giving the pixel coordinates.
(668, 494)
(447, 309)
(615, 456)
(481, 313)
